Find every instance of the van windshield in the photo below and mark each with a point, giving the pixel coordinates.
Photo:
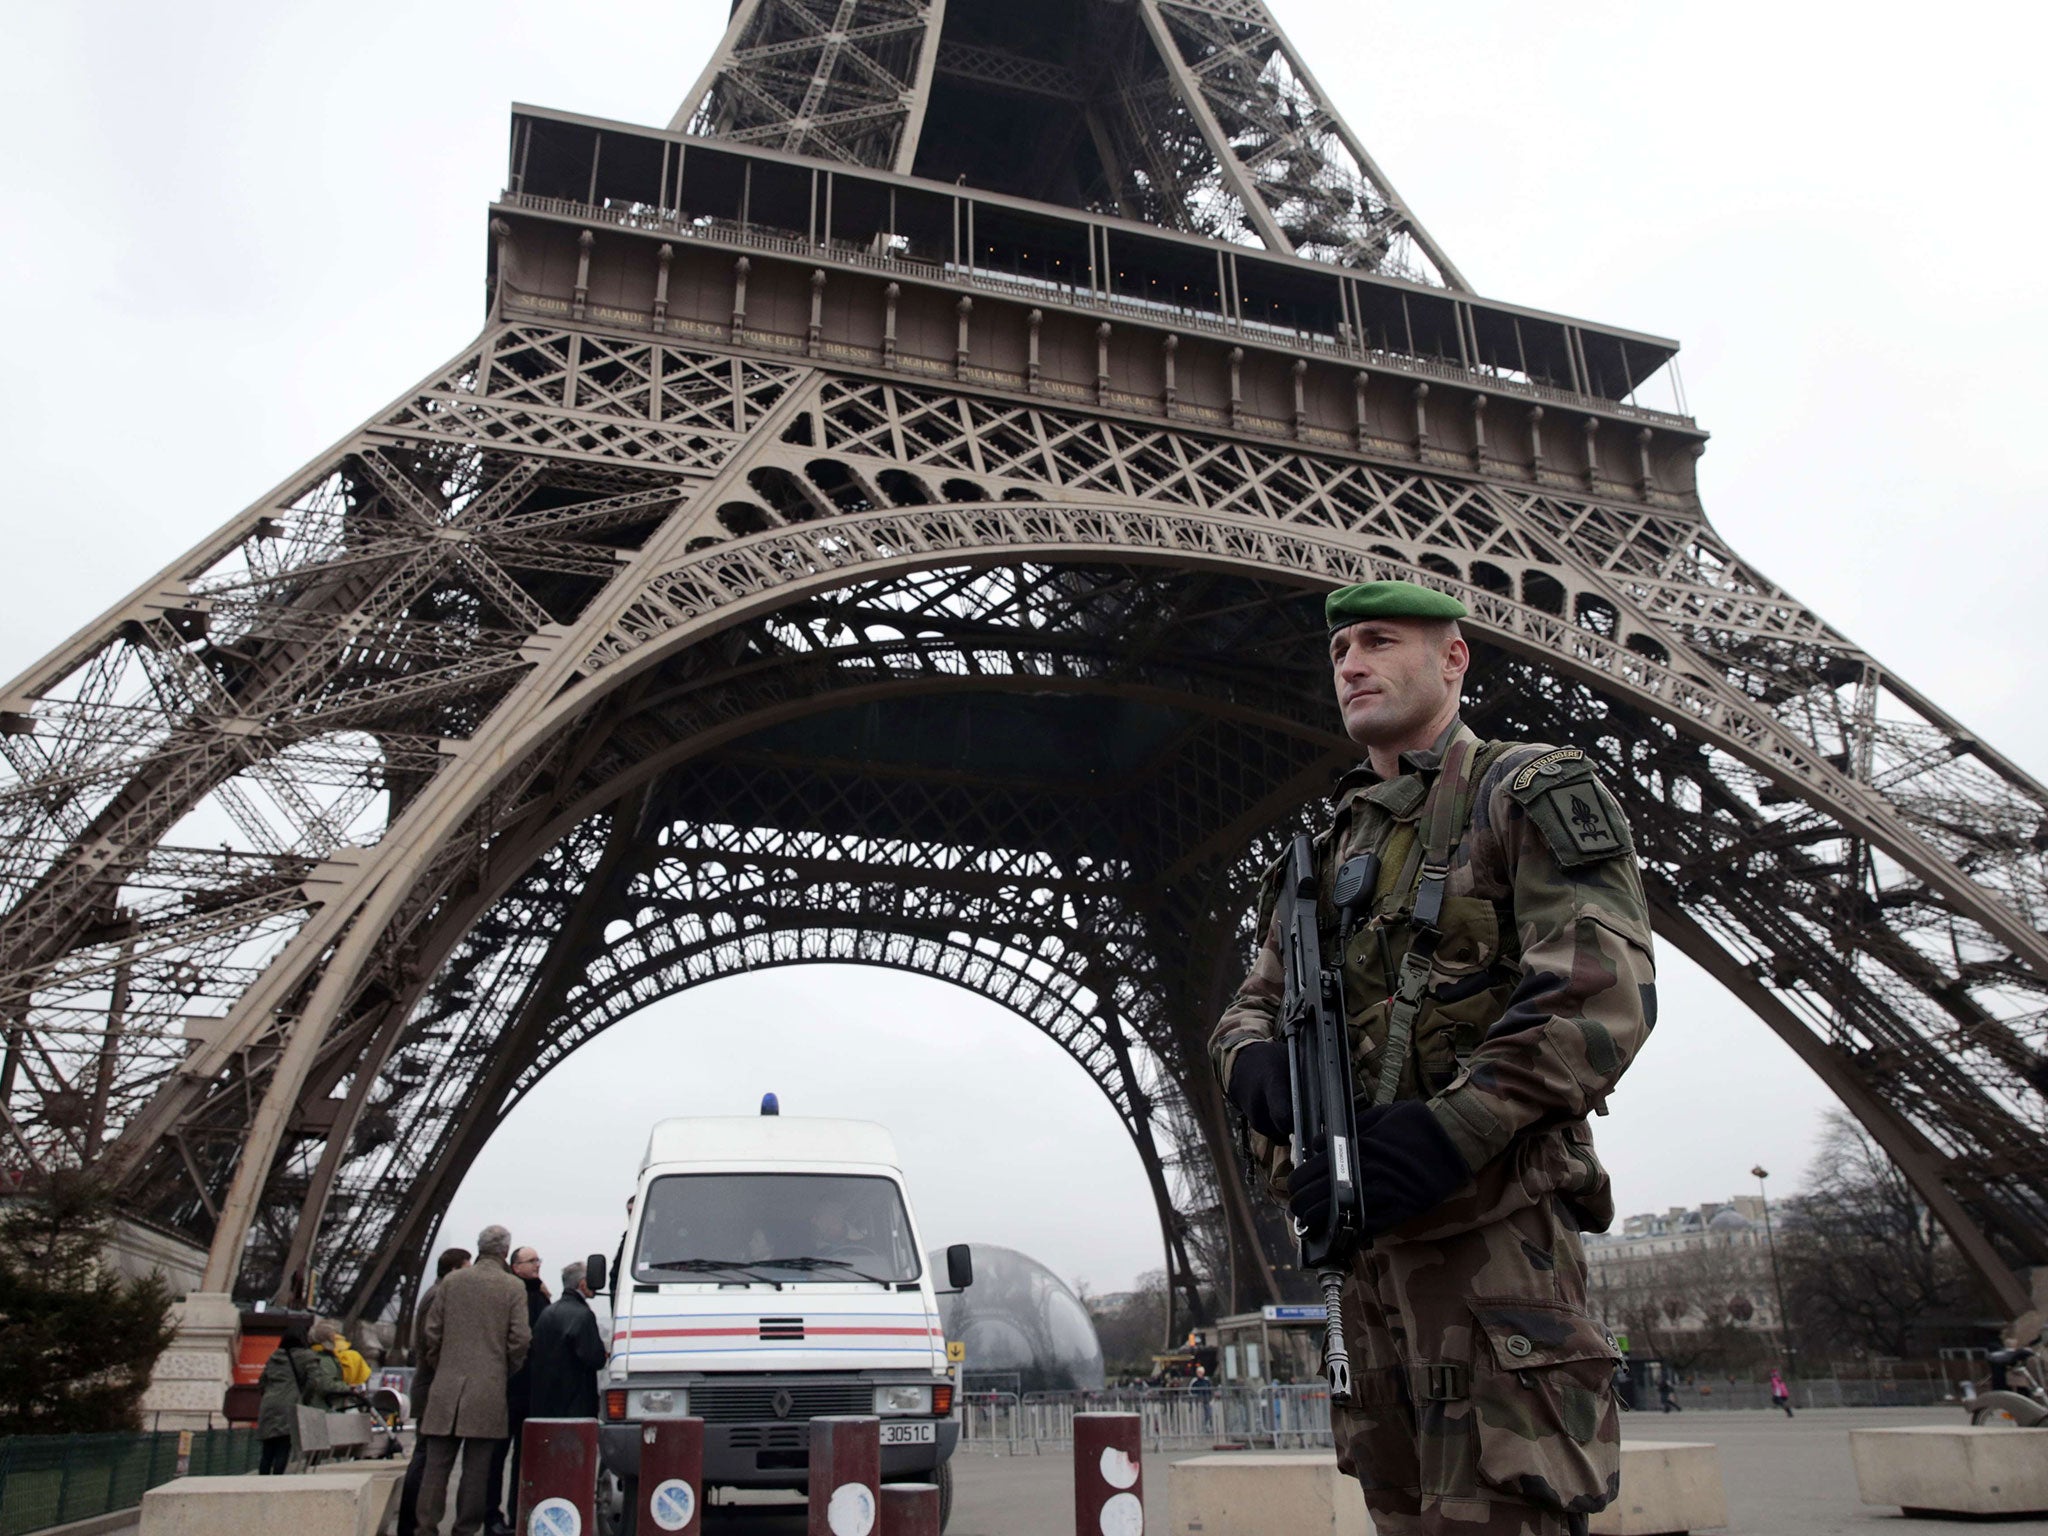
(775, 1226)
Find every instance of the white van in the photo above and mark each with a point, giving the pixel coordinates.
(772, 1273)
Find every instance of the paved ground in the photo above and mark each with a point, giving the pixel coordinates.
(1784, 1478)
(1794, 1477)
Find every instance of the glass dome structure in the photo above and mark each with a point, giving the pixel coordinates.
(1019, 1316)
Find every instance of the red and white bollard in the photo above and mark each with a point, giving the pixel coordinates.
(671, 1476)
(1109, 1475)
(558, 1477)
(910, 1509)
(846, 1476)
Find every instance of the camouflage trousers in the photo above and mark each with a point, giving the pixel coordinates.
(1484, 1400)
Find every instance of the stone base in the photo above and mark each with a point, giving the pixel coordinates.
(1667, 1486)
(1254, 1494)
(192, 1376)
(320, 1503)
(1953, 1469)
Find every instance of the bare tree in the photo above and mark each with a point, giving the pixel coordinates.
(1868, 1270)
(1129, 1325)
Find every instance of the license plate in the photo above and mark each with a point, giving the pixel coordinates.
(909, 1434)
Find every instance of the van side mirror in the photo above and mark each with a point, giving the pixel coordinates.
(959, 1266)
(594, 1274)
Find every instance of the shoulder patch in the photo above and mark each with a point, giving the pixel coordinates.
(1573, 810)
(1550, 763)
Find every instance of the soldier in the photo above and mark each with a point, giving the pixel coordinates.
(1499, 987)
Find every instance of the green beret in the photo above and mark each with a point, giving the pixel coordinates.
(1389, 600)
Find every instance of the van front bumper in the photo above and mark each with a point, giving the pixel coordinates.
(772, 1454)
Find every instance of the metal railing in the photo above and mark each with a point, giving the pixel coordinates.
(1297, 1417)
(1898, 1390)
(48, 1480)
(670, 221)
(1273, 1417)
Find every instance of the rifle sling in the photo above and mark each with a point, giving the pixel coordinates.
(1440, 813)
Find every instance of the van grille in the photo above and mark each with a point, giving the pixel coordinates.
(737, 1402)
(770, 1437)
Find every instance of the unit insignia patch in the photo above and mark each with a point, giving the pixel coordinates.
(1582, 811)
(1550, 763)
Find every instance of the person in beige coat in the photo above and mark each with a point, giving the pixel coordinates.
(475, 1335)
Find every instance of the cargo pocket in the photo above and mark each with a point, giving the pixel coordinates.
(1543, 1395)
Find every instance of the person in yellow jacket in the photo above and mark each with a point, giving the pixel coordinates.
(328, 1339)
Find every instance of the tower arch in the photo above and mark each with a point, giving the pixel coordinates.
(727, 462)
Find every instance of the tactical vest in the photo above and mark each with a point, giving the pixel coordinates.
(1425, 974)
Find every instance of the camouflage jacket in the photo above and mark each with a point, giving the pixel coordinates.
(1542, 988)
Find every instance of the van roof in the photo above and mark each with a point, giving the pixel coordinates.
(768, 1139)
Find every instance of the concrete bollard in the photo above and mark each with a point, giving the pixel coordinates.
(1253, 1493)
(1667, 1486)
(1109, 1475)
(846, 1476)
(910, 1509)
(326, 1501)
(1949, 1471)
(671, 1476)
(558, 1477)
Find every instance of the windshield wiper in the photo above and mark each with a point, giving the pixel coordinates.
(704, 1266)
(809, 1262)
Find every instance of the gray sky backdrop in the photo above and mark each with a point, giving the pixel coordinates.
(234, 230)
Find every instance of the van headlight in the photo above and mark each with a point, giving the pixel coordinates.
(657, 1402)
(908, 1398)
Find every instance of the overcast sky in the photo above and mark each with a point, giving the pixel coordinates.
(235, 230)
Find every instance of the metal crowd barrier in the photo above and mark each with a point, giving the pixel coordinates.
(1273, 1417)
(1807, 1392)
(1297, 1416)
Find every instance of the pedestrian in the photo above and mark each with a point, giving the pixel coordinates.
(350, 1368)
(450, 1261)
(1667, 1393)
(1781, 1395)
(1205, 1394)
(518, 1392)
(293, 1377)
(568, 1352)
(1499, 981)
(475, 1336)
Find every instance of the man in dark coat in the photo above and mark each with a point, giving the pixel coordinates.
(568, 1352)
(450, 1261)
(475, 1336)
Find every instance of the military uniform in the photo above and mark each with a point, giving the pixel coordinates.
(1483, 1388)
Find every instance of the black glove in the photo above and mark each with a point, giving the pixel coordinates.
(1258, 1086)
(1308, 1190)
(1407, 1165)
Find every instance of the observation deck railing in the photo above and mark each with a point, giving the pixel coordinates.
(730, 232)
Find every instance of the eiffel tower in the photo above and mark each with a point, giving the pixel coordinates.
(882, 520)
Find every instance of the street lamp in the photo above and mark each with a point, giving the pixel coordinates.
(1759, 1173)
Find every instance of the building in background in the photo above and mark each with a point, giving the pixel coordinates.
(1691, 1282)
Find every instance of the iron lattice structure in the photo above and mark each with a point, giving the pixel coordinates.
(1196, 115)
(820, 556)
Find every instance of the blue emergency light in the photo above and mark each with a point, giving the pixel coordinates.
(770, 1105)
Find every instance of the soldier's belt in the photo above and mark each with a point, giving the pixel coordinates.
(1440, 1382)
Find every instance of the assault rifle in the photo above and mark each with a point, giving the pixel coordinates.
(1319, 1077)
